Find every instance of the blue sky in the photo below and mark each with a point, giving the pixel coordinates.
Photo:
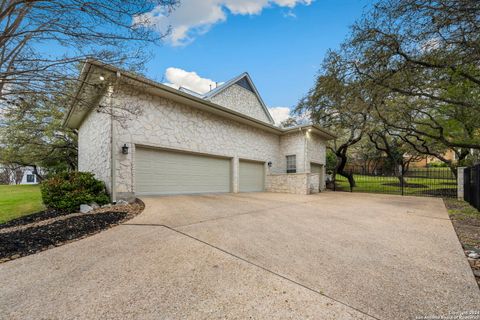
(281, 43)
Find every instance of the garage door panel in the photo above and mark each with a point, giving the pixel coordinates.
(168, 172)
(316, 168)
(251, 176)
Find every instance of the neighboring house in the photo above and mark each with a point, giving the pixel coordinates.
(18, 175)
(145, 138)
(430, 160)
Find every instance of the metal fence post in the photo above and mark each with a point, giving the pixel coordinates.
(402, 178)
(466, 183)
(476, 186)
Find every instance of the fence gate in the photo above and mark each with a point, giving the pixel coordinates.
(471, 185)
(426, 182)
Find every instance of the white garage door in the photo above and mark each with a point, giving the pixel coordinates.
(166, 172)
(251, 176)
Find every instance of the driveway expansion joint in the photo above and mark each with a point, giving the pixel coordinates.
(251, 263)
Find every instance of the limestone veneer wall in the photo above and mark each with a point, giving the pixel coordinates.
(167, 124)
(460, 183)
(293, 144)
(242, 100)
(316, 153)
(94, 152)
(298, 183)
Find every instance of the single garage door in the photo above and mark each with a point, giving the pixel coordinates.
(167, 172)
(251, 176)
(316, 168)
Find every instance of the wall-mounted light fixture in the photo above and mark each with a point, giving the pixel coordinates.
(269, 164)
(125, 149)
(101, 77)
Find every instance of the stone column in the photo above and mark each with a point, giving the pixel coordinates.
(460, 191)
(235, 175)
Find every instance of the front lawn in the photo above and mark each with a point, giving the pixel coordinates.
(19, 200)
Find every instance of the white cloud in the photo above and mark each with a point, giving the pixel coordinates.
(279, 114)
(191, 80)
(195, 17)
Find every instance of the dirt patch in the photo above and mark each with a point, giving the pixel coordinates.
(466, 221)
(46, 230)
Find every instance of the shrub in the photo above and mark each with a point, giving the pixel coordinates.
(67, 191)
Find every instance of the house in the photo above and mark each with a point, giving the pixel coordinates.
(17, 175)
(145, 138)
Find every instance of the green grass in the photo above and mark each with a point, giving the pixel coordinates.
(461, 209)
(19, 200)
(378, 184)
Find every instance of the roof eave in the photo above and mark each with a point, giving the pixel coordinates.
(188, 98)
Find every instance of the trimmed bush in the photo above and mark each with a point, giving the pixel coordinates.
(67, 191)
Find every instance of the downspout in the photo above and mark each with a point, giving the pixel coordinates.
(112, 141)
(305, 152)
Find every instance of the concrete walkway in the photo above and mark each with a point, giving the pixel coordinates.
(259, 255)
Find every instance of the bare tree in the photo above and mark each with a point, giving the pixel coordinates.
(40, 40)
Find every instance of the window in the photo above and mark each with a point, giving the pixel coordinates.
(30, 178)
(292, 164)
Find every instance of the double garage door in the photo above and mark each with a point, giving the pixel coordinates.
(162, 172)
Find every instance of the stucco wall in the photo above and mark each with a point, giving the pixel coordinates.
(164, 123)
(242, 100)
(94, 154)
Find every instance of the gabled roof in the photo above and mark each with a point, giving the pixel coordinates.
(93, 70)
(243, 80)
(193, 93)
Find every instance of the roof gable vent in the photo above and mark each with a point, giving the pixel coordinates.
(245, 84)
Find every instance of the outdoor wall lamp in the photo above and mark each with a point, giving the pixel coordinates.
(269, 164)
(125, 149)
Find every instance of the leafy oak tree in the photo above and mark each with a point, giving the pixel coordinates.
(31, 134)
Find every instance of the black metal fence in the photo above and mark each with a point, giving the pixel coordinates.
(427, 182)
(471, 186)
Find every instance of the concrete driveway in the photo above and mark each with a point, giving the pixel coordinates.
(258, 255)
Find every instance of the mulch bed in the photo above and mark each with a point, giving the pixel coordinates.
(466, 222)
(36, 217)
(50, 229)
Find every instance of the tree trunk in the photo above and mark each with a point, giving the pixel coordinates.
(37, 174)
(399, 172)
(340, 169)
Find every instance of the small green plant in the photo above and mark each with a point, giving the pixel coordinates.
(67, 191)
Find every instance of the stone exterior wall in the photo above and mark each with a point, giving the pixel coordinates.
(298, 183)
(460, 182)
(293, 144)
(94, 153)
(316, 153)
(241, 100)
(167, 124)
